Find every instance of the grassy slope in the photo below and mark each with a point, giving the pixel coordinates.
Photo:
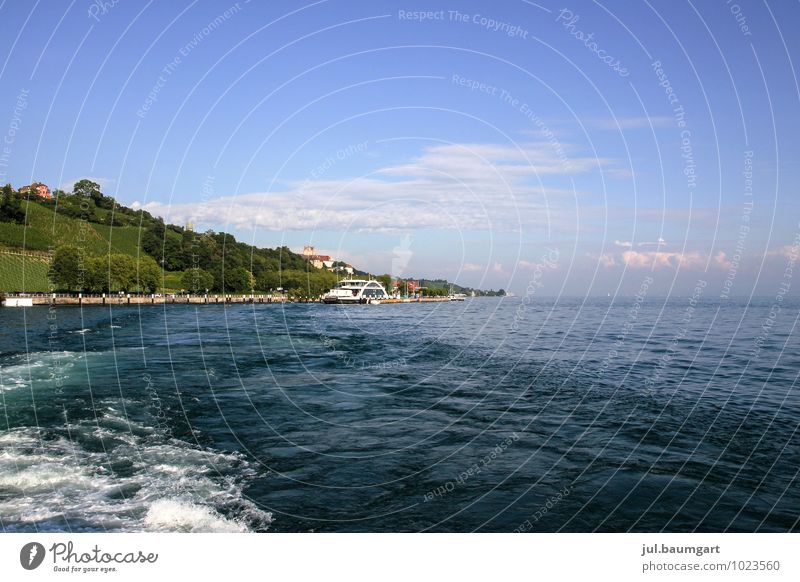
(172, 281)
(20, 274)
(44, 229)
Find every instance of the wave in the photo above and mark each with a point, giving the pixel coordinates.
(142, 482)
(21, 370)
(179, 515)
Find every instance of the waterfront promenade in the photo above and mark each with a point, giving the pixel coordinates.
(136, 299)
(31, 299)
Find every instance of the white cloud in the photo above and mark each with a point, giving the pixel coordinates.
(658, 243)
(660, 259)
(458, 186)
(664, 259)
(471, 267)
(785, 252)
(721, 260)
(628, 244)
(471, 161)
(607, 260)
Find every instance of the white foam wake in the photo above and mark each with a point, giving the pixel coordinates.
(185, 516)
(143, 483)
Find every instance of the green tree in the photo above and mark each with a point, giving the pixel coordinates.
(149, 275)
(152, 241)
(196, 280)
(238, 280)
(268, 281)
(386, 281)
(96, 279)
(321, 281)
(435, 292)
(165, 247)
(293, 279)
(67, 268)
(11, 206)
(121, 272)
(295, 293)
(174, 259)
(88, 189)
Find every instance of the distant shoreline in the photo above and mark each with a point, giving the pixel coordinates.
(53, 299)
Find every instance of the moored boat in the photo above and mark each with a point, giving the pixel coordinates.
(356, 291)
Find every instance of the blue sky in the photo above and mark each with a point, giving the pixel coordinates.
(582, 145)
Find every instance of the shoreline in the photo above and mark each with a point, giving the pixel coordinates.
(52, 299)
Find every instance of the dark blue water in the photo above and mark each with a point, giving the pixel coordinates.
(490, 415)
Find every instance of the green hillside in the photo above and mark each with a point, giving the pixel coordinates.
(44, 229)
(23, 274)
(98, 245)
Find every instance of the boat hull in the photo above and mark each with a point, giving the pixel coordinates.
(343, 300)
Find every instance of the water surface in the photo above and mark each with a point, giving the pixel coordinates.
(488, 414)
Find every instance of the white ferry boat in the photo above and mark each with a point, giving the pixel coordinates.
(356, 291)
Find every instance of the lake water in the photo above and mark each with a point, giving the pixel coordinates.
(488, 414)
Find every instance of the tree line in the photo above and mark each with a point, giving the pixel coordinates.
(73, 270)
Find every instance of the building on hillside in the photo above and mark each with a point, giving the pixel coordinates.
(348, 269)
(37, 189)
(322, 262)
(318, 261)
